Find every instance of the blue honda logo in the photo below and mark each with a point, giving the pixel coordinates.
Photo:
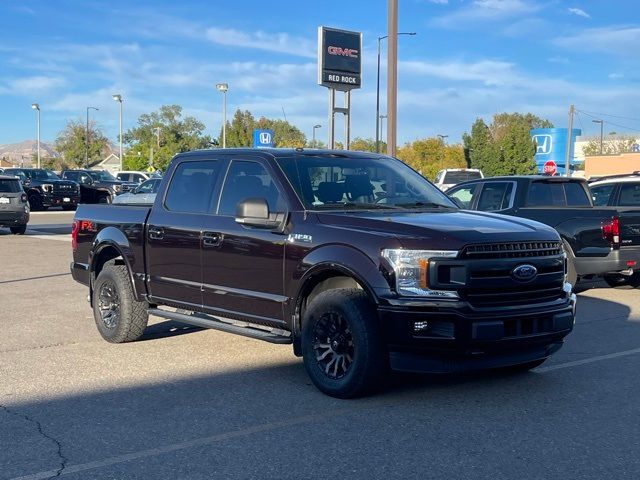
(524, 273)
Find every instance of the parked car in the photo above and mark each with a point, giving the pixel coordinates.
(591, 236)
(45, 189)
(14, 206)
(97, 186)
(449, 177)
(352, 257)
(143, 193)
(623, 193)
(132, 176)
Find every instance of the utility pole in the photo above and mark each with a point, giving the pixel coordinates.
(392, 75)
(567, 151)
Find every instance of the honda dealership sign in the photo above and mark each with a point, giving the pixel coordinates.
(339, 58)
(551, 144)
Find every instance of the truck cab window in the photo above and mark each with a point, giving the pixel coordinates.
(190, 187)
(463, 196)
(630, 194)
(246, 180)
(495, 196)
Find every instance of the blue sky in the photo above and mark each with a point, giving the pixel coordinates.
(470, 58)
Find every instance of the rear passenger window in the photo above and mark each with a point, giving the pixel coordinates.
(190, 188)
(248, 180)
(630, 194)
(495, 196)
(463, 196)
(601, 194)
(557, 194)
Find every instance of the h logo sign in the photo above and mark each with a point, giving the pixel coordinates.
(544, 144)
(262, 138)
(265, 138)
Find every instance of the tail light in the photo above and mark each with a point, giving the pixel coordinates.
(74, 235)
(23, 198)
(611, 231)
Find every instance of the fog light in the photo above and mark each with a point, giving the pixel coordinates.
(420, 326)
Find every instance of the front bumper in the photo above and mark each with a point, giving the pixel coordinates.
(55, 200)
(461, 339)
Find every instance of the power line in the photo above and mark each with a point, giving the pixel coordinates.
(613, 116)
(626, 127)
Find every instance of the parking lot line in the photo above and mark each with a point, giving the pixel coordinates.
(199, 442)
(584, 361)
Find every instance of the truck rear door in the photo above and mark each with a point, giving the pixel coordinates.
(174, 231)
(628, 205)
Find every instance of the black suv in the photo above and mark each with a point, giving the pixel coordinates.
(44, 188)
(97, 186)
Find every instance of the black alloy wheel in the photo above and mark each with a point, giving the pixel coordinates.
(109, 305)
(333, 344)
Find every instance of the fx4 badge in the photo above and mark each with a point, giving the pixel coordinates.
(299, 237)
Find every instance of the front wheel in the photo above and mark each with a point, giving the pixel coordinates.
(341, 343)
(35, 203)
(118, 315)
(19, 230)
(104, 199)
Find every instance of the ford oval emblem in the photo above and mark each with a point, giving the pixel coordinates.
(524, 273)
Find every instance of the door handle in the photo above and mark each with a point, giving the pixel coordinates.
(156, 233)
(211, 239)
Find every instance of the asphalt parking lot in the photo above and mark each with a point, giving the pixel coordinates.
(187, 403)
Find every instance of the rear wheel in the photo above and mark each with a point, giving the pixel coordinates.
(118, 315)
(341, 343)
(18, 230)
(623, 281)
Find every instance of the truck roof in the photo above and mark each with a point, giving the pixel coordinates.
(288, 152)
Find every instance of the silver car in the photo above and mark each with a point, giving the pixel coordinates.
(14, 207)
(143, 193)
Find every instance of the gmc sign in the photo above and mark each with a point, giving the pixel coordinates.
(339, 62)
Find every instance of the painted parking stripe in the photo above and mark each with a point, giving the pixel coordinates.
(585, 361)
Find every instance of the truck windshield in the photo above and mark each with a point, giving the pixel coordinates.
(335, 182)
(41, 174)
(102, 176)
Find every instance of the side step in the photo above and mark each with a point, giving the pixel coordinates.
(239, 328)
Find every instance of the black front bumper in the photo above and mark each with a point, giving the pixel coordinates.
(460, 339)
(63, 200)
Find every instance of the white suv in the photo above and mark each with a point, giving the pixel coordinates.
(449, 177)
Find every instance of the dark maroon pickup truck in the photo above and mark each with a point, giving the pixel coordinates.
(353, 258)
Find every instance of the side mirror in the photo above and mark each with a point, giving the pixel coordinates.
(254, 212)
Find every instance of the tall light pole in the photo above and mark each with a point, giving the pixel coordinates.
(601, 122)
(118, 98)
(36, 106)
(378, 90)
(392, 75)
(86, 142)
(223, 87)
(442, 139)
(314, 134)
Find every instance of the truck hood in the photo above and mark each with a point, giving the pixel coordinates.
(443, 229)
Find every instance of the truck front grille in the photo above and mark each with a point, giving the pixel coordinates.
(511, 297)
(65, 189)
(512, 250)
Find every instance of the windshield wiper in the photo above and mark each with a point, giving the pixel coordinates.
(420, 204)
(363, 205)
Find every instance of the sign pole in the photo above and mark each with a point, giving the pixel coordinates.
(331, 127)
(347, 119)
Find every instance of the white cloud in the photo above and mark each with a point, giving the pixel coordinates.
(439, 2)
(621, 40)
(579, 12)
(486, 72)
(486, 11)
(273, 42)
(32, 85)
(616, 76)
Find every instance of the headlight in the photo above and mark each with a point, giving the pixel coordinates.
(47, 187)
(411, 268)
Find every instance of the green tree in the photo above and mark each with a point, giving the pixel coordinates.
(176, 134)
(430, 155)
(71, 143)
(285, 135)
(610, 146)
(366, 145)
(503, 147)
(239, 130)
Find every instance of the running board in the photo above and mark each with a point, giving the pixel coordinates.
(268, 334)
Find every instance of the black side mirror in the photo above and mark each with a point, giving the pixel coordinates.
(254, 212)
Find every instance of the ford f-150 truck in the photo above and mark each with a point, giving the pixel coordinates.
(597, 241)
(353, 258)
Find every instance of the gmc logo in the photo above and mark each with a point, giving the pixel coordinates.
(343, 52)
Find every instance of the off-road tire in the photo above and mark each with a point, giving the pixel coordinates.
(19, 230)
(132, 316)
(368, 358)
(35, 203)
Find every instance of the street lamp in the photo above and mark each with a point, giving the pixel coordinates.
(223, 87)
(86, 146)
(36, 106)
(442, 139)
(378, 90)
(314, 134)
(381, 117)
(118, 98)
(601, 122)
